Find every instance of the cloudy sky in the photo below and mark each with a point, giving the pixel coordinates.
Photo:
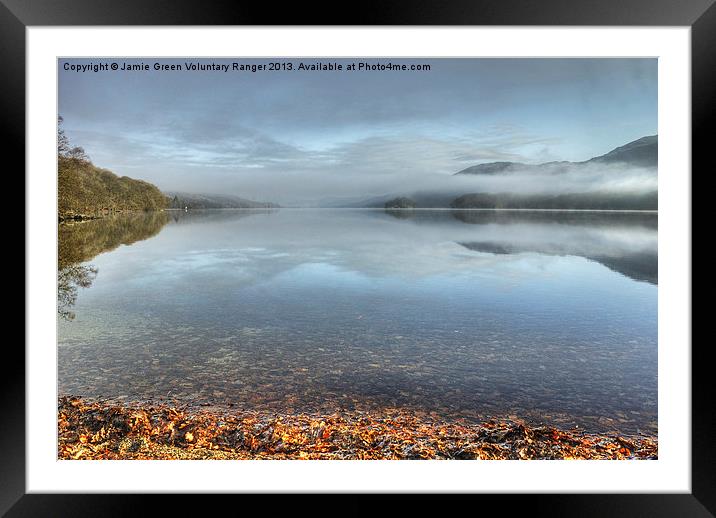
(299, 137)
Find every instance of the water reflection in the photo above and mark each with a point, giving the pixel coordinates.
(462, 313)
(601, 237)
(79, 242)
(69, 279)
(193, 217)
(417, 244)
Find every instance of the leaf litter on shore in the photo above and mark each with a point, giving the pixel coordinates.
(100, 430)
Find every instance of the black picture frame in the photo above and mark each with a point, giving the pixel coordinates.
(699, 15)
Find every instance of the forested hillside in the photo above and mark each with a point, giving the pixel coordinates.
(85, 190)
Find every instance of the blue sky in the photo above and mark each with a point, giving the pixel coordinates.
(303, 135)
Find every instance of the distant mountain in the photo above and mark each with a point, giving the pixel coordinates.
(491, 168)
(424, 199)
(180, 200)
(642, 152)
(376, 202)
(400, 203)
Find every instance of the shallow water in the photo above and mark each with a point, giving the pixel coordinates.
(550, 317)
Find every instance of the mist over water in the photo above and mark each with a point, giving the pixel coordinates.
(549, 317)
(310, 139)
(330, 186)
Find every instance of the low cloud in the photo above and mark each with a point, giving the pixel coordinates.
(247, 163)
(301, 138)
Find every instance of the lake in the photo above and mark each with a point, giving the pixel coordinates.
(550, 317)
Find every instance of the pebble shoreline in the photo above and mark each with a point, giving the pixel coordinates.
(96, 430)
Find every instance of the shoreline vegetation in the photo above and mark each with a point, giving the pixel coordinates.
(101, 430)
(85, 191)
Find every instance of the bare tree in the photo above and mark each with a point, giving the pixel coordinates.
(63, 142)
(65, 149)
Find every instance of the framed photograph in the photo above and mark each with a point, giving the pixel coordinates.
(438, 250)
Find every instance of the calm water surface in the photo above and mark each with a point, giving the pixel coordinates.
(549, 317)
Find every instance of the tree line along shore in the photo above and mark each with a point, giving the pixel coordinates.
(85, 191)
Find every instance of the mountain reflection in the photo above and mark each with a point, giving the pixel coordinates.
(250, 247)
(623, 242)
(246, 247)
(81, 242)
(208, 216)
